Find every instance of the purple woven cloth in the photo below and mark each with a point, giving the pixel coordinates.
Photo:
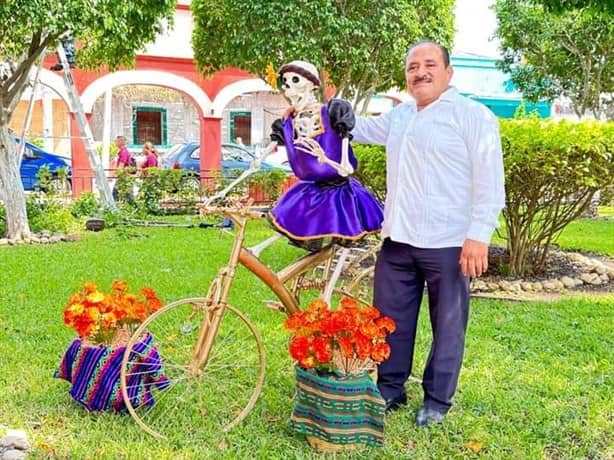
(93, 371)
(324, 204)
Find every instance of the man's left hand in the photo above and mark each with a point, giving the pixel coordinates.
(474, 258)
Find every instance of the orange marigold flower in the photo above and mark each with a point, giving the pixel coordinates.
(349, 338)
(322, 349)
(299, 348)
(348, 303)
(119, 286)
(380, 352)
(294, 321)
(307, 363)
(387, 323)
(363, 345)
(95, 297)
(347, 346)
(89, 288)
(371, 312)
(97, 316)
(318, 305)
(369, 329)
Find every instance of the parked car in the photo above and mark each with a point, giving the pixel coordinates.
(34, 158)
(186, 156)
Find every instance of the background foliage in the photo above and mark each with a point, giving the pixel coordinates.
(106, 32)
(552, 171)
(567, 52)
(359, 44)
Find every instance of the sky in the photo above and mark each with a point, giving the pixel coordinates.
(475, 24)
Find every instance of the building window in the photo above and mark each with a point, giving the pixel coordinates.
(241, 127)
(149, 125)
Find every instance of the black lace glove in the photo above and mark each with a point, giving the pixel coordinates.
(341, 117)
(277, 132)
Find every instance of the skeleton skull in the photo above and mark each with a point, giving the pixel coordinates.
(300, 80)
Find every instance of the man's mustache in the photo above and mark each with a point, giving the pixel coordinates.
(425, 78)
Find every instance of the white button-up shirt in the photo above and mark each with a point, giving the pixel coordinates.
(444, 176)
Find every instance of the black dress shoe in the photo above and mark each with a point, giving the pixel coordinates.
(393, 404)
(427, 416)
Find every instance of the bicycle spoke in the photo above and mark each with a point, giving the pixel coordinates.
(204, 401)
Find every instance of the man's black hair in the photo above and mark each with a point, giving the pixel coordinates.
(443, 49)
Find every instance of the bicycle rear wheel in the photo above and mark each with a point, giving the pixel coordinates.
(355, 280)
(194, 403)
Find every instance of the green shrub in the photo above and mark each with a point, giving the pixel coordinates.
(270, 182)
(87, 205)
(372, 168)
(552, 171)
(158, 185)
(48, 214)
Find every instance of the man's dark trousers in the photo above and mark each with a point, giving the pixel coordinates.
(400, 273)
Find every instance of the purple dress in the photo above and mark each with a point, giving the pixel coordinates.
(324, 204)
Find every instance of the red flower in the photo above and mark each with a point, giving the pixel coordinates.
(299, 347)
(323, 338)
(97, 316)
(380, 352)
(322, 350)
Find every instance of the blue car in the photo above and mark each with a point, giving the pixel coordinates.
(35, 158)
(186, 156)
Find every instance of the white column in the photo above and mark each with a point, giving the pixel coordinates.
(47, 102)
(106, 128)
(257, 127)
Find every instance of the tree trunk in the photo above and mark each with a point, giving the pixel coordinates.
(11, 188)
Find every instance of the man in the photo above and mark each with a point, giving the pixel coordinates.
(445, 191)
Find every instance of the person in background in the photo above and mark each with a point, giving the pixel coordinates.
(151, 156)
(124, 157)
(124, 160)
(445, 189)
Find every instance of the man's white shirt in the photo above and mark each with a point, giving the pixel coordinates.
(445, 180)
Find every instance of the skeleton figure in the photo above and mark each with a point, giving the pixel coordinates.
(300, 83)
(326, 204)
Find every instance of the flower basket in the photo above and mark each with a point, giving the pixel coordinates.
(338, 404)
(92, 363)
(338, 412)
(94, 371)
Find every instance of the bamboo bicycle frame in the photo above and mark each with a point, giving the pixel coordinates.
(220, 288)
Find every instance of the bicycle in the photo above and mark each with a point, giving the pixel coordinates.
(211, 350)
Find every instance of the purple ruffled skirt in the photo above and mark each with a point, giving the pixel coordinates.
(341, 209)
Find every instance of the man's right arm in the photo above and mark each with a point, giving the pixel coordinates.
(372, 130)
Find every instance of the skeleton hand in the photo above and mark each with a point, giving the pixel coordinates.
(311, 147)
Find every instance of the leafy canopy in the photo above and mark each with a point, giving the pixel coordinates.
(108, 31)
(359, 44)
(568, 52)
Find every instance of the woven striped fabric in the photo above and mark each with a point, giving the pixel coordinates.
(93, 371)
(339, 410)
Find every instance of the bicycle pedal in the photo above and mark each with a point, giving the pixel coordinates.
(275, 305)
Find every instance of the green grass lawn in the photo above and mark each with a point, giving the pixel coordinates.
(536, 383)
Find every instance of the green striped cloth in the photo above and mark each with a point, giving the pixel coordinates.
(338, 409)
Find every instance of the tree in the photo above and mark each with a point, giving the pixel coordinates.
(564, 5)
(552, 171)
(107, 32)
(564, 51)
(359, 44)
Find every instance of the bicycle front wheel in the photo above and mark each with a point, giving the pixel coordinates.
(189, 400)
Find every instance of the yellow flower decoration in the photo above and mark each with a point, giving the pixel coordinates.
(271, 76)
